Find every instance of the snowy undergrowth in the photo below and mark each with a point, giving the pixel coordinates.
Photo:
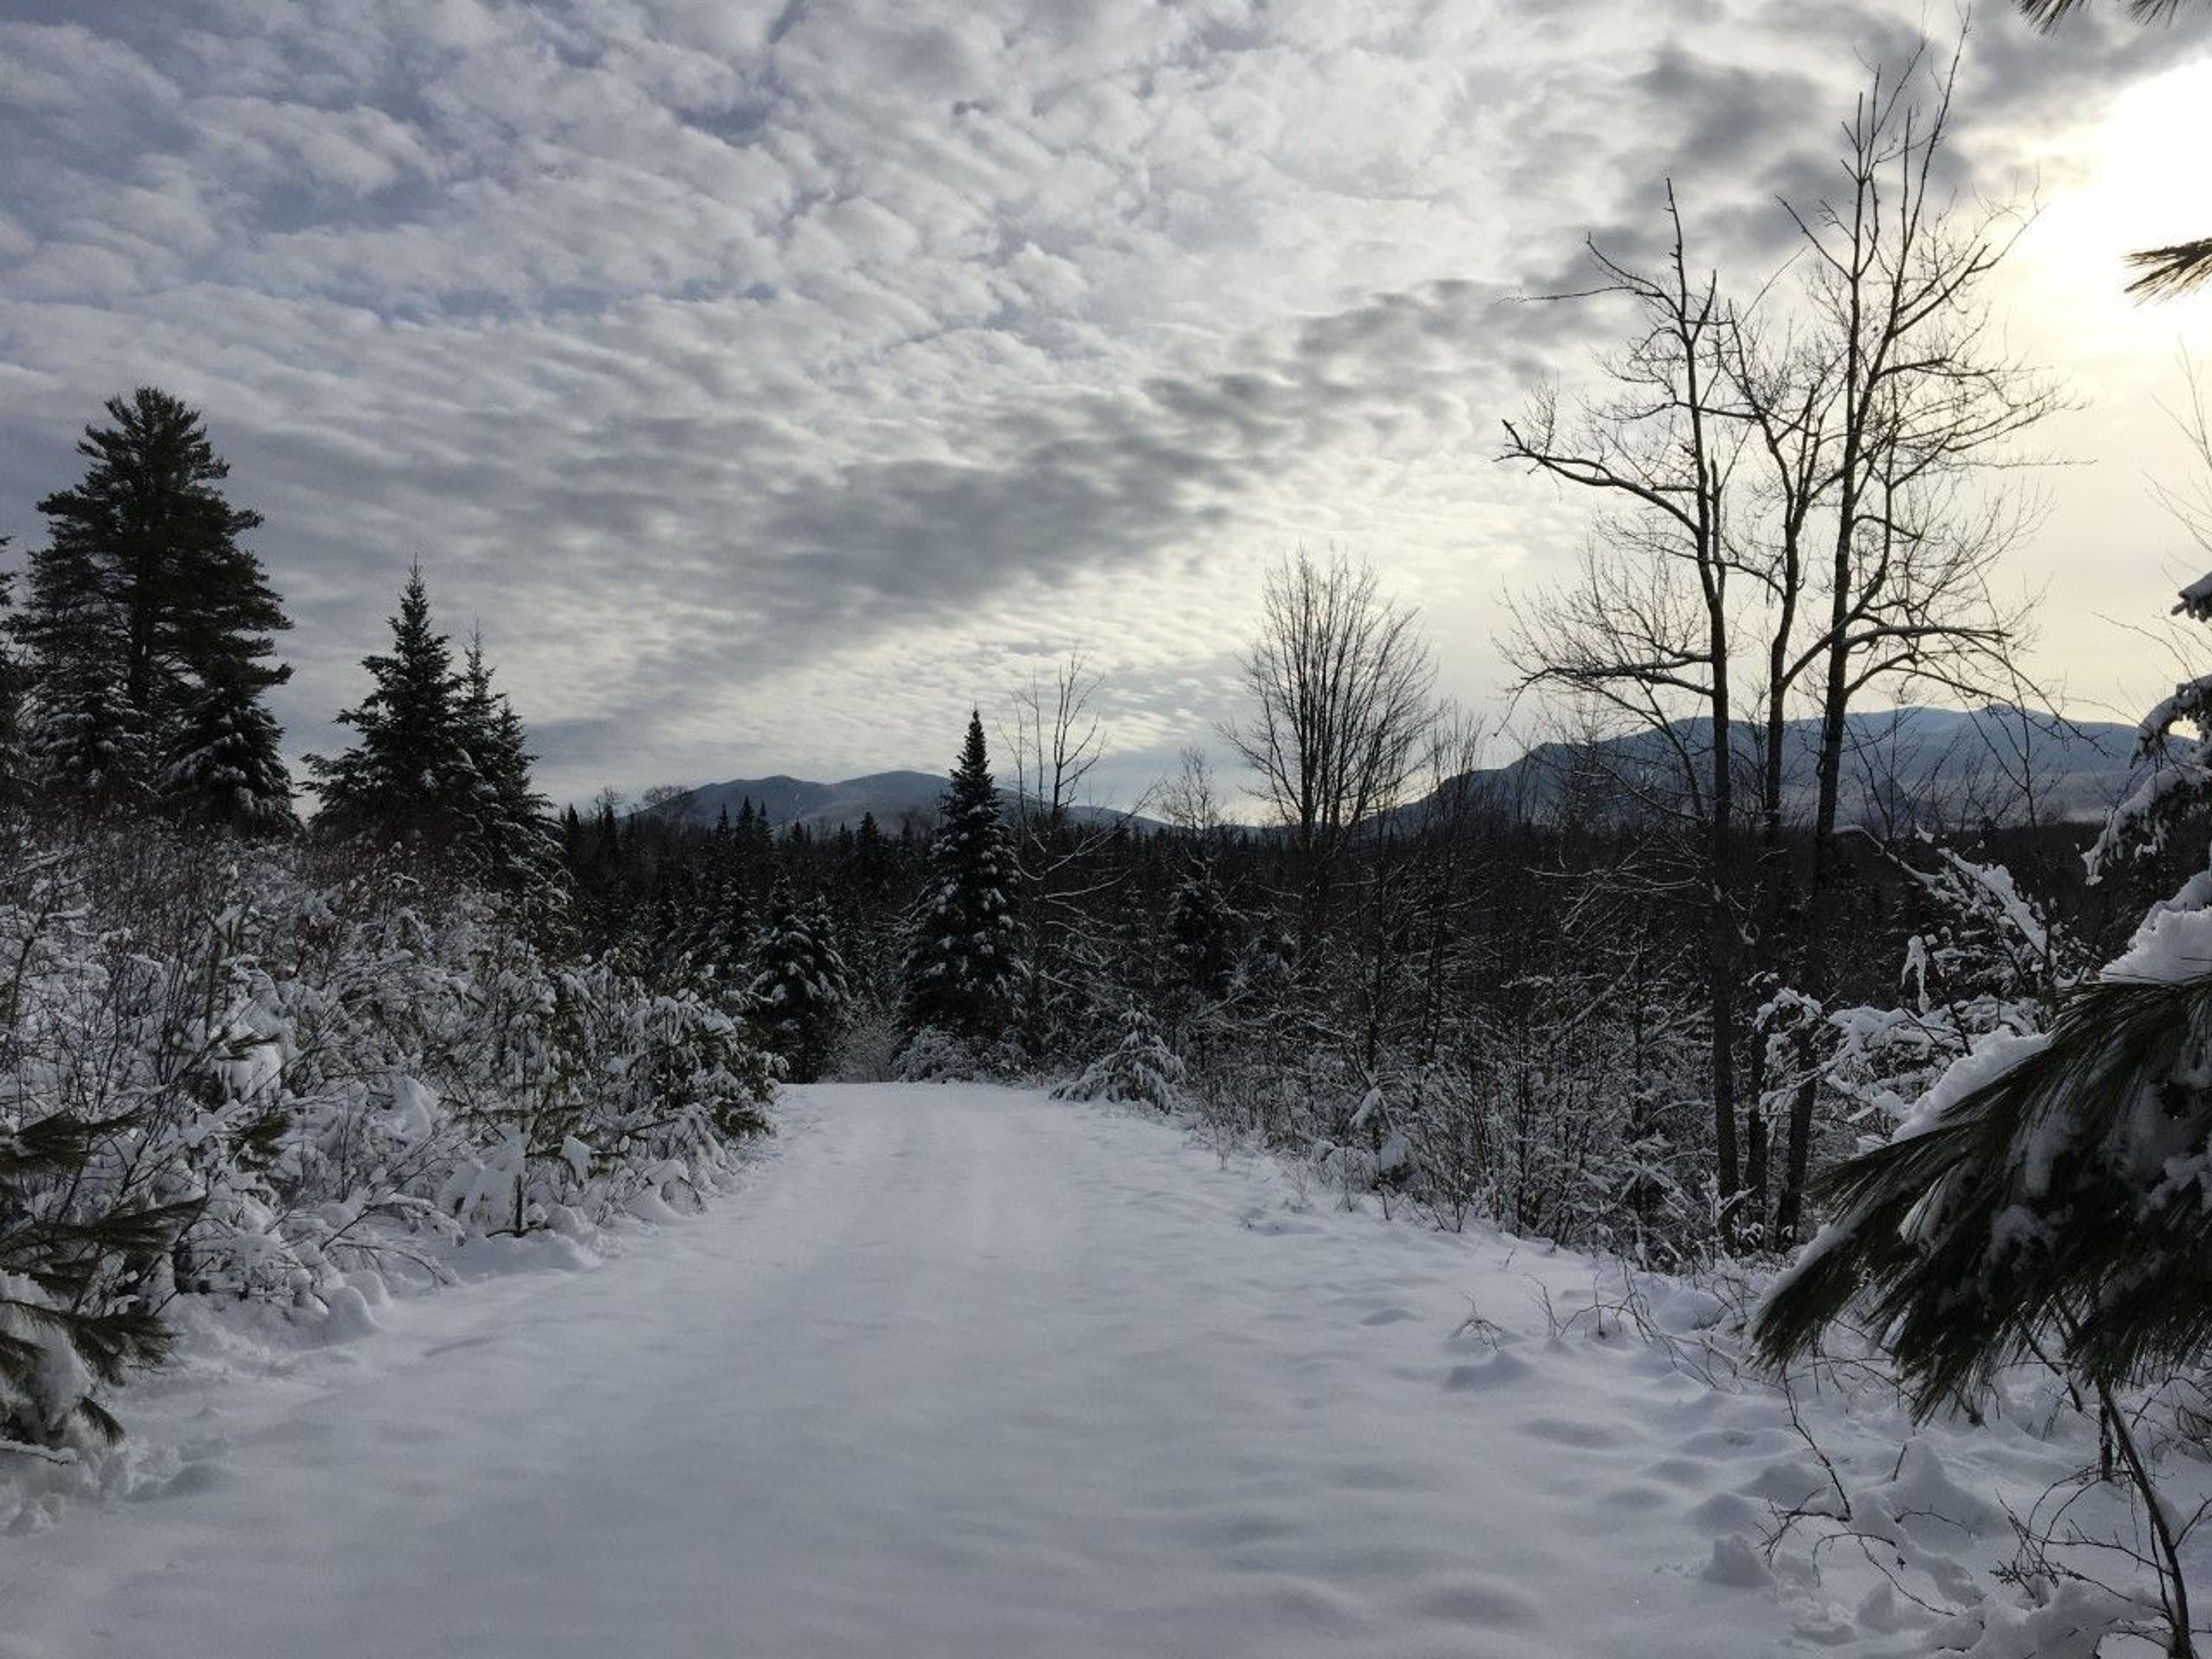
(2012, 1535)
(240, 1362)
(287, 1081)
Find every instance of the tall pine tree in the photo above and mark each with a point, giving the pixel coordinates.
(511, 839)
(963, 966)
(143, 603)
(409, 777)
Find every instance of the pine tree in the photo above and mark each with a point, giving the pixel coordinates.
(82, 741)
(409, 777)
(1198, 926)
(225, 764)
(2049, 1195)
(70, 1318)
(962, 965)
(511, 844)
(144, 597)
(800, 989)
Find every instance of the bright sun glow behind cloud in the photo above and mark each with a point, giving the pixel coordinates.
(2141, 186)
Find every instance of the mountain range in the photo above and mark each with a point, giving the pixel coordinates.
(895, 799)
(1901, 766)
(1904, 765)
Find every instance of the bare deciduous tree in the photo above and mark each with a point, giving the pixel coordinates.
(1342, 683)
(1805, 520)
(1647, 629)
(1055, 741)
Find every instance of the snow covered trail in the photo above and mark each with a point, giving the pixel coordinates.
(963, 1372)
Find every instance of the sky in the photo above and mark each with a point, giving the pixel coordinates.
(773, 382)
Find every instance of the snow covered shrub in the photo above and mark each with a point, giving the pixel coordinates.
(932, 1054)
(866, 1049)
(1987, 963)
(1139, 1069)
(247, 1070)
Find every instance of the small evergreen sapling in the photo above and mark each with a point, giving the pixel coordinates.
(70, 1320)
(1139, 1069)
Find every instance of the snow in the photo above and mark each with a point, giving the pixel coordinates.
(961, 1370)
(2170, 946)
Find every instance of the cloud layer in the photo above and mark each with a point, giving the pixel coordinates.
(772, 380)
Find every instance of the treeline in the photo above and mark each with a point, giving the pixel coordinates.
(240, 1059)
(1477, 1007)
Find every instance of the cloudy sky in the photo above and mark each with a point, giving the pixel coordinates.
(772, 380)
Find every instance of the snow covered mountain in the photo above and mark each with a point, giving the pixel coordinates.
(1911, 765)
(893, 797)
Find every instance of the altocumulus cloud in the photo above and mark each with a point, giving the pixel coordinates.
(774, 379)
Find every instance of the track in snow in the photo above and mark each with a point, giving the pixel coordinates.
(963, 1372)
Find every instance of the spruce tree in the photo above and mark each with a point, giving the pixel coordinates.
(82, 741)
(962, 967)
(511, 843)
(1198, 928)
(800, 988)
(14, 762)
(225, 764)
(1139, 1069)
(144, 596)
(409, 777)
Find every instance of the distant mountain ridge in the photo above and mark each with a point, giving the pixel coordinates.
(895, 799)
(1900, 766)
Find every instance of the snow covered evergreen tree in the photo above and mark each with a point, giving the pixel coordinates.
(225, 764)
(1198, 924)
(409, 777)
(2052, 1192)
(143, 599)
(82, 741)
(511, 838)
(14, 762)
(71, 1252)
(1139, 1068)
(800, 989)
(962, 963)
